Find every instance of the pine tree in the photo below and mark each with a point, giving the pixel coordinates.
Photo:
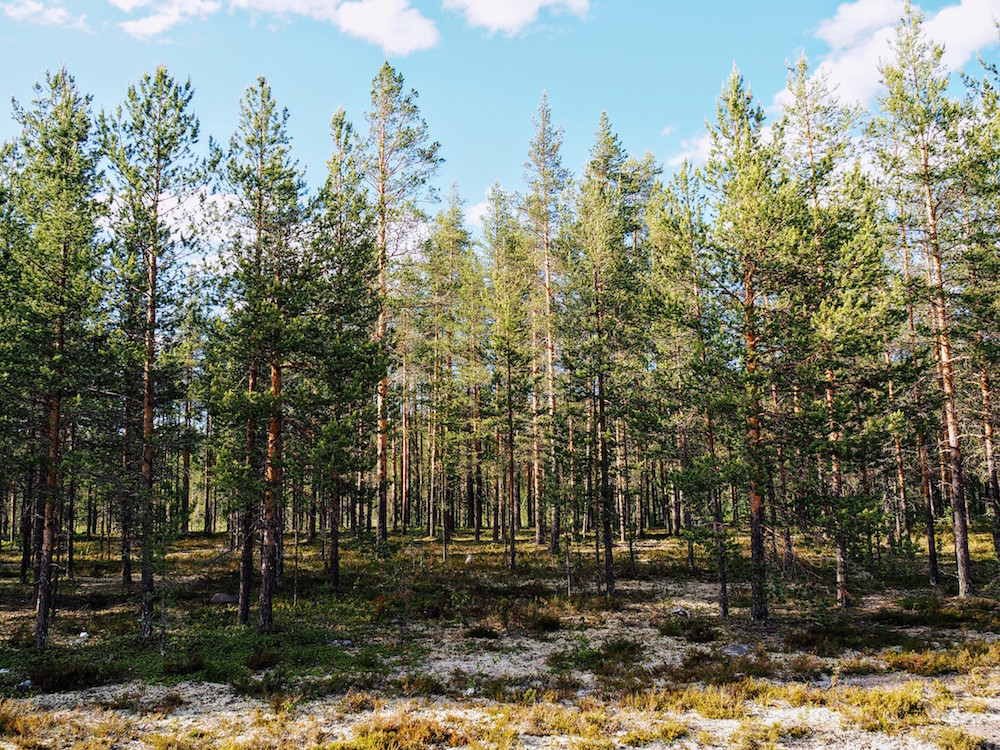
(602, 276)
(678, 225)
(345, 307)
(400, 161)
(265, 260)
(918, 111)
(510, 280)
(754, 227)
(546, 178)
(149, 142)
(444, 255)
(58, 202)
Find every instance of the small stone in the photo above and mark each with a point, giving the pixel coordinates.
(468, 559)
(680, 611)
(25, 685)
(224, 599)
(737, 649)
(5, 670)
(339, 642)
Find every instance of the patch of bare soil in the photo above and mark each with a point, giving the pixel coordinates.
(499, 694)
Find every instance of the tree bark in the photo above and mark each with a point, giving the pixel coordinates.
(269, 552)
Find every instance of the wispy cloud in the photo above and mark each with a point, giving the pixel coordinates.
(43, 14)
(667, 130)
(861, 32)
(511, 16)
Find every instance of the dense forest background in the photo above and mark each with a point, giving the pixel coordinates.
(793, 344)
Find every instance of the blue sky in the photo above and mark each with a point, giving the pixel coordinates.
(480, 66)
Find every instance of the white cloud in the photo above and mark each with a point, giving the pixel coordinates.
(964, 29)
(42, 13)
(854, 20)
(861, 32)
(694, 150)
(474, 214)
(394, 25)
(510, 16)
(128, 5)
(667, 130)
(163, 15)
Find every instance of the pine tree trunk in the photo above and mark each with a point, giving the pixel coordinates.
(606, 497)
(70, 510)
(758, 579)
(247, 512)
(511, 505)
(148, 414)
(271, 527)
(993, 493)
(127, 499)
(334, 524)
(43, 602)
(209, 526)
(960, 512)
(382, 391)
(186, 456)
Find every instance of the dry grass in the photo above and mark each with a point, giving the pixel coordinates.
(667, 731)
(886, 710)
(404, 731)
(954, 738)
(755, 735)
(929, 663)
(548, 719)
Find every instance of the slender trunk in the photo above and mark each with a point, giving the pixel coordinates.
(405, 457)
(186, 455)
(271, 528)
(993, 488)
(44, 601)
(209, 526)
(477, 453)
(550, 370)
(148, 414)
(510, 463)
(334, 524)
(70, 509)
(607, 499)
(127, 495)
(960, 511)
(382, 391)
(925, 481)
(536, 441)
(758, 580)
(836, 492)
(247, 512)
(27, 518)
(925, 475)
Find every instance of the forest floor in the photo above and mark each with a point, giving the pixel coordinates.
(418, 652)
